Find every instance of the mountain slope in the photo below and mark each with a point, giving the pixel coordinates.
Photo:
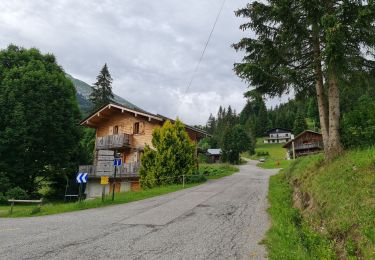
(83, 94)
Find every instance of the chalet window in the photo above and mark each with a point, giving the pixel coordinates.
(136, 128)
(139, 128)
(115, 130)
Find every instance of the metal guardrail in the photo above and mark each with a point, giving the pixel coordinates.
(113, 141)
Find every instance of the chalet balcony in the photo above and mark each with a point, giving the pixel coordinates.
(318, 145)
(125, 170)
(109, 142)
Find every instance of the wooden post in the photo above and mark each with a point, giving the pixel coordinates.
(103, 192)
(183, 181)
(11, 207)
(294, 151)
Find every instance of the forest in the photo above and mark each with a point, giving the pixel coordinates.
(357, 124)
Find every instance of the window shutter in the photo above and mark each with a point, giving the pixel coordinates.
(141, 127)
(110, 131)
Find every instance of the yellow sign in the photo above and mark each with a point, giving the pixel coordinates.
(104, 180)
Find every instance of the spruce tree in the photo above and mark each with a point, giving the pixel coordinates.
(309, 46)
(299, 123)
(102, 91)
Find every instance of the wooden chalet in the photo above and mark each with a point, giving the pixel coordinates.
(122, 131)
(278, 135)
(306, 143)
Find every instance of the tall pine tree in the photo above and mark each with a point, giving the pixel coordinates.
(102, 90)
(309, 46)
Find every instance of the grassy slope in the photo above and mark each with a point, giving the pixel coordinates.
(276, 158)
(290, 237)
(338, 199)
(212, 171)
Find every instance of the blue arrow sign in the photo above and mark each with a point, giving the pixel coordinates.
(82, 177)
(117, 162)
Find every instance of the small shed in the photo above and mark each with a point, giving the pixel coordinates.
(306, 143)
(214, 155)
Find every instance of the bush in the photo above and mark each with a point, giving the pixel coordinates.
(17, 193)
(3, 200)
(172, 157)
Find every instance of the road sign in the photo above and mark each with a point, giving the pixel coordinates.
(104, 180)
(117, 162)
(81, 177)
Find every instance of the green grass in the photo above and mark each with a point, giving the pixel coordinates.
(216, 171)
(337, 198)
(276, 157)
(213, 171)
(290, 237)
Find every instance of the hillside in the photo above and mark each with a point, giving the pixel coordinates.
(327, 210)
(84, 91)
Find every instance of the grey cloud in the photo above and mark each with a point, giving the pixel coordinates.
(151, 48)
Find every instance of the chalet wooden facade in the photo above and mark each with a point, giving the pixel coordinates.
(306, 143)
(123, 131)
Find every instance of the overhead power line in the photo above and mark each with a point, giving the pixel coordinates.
(205, 47)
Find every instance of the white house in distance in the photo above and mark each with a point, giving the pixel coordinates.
(278, 135)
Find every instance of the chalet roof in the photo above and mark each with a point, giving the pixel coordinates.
(135, 111)
(299, 135)
(214, 151)
(285, 129)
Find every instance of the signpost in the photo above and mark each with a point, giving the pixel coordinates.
(116, 162)
(81, 178)
(104, 180)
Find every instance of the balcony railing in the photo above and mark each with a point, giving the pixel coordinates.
(125, 170)
(308, 146)
(113, 141)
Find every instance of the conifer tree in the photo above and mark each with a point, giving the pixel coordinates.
(299, 123)
(102, 91)
(173, 155)
(309, 46)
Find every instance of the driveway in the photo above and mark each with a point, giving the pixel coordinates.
(221, 219)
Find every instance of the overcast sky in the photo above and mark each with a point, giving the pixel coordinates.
(151, 48)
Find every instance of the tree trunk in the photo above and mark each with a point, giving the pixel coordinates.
(334, 143)
(322, 105)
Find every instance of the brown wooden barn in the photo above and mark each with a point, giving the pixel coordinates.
(306, 143)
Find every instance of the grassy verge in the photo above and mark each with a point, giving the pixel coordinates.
(336, 199)
(275, 159)
(290, 237)
(216, 171)
(213, 171)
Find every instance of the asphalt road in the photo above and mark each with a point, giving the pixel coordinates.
(221, 219)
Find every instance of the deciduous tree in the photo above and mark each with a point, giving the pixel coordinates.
(39, 116)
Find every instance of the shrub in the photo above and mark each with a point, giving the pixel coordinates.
(3, 200)
(17, 193)
(172, 157)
